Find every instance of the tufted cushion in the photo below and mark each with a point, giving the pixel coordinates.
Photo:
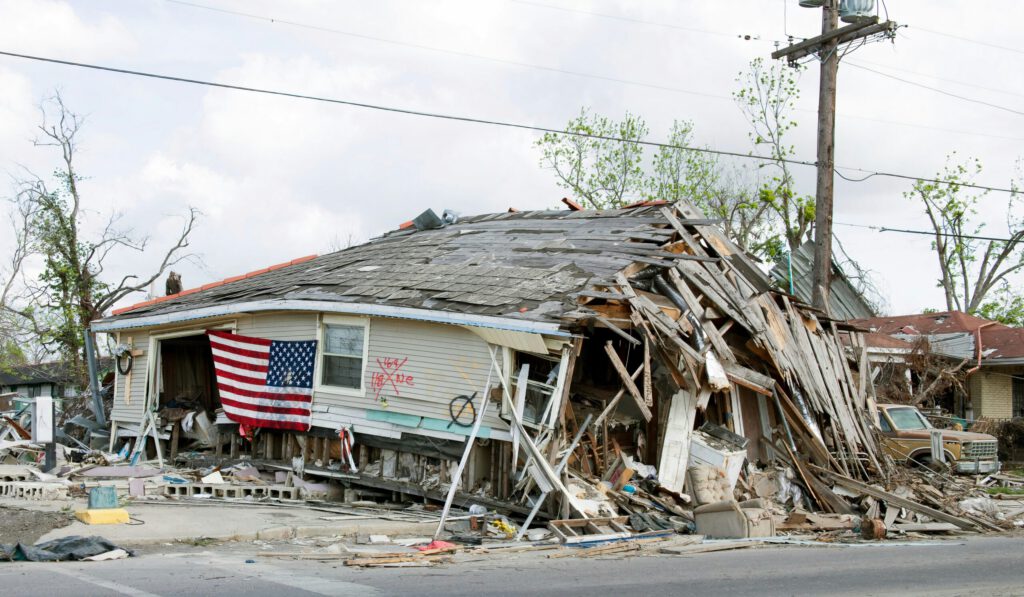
(709, 484)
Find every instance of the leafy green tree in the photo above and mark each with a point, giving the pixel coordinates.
(766, 97)
(1005, 305)
(974, 273)
(597, 158)
(720, 191)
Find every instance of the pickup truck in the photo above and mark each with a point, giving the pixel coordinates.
(906, 436)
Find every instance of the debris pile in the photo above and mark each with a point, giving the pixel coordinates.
(692, 397)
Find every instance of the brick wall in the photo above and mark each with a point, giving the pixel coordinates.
(991, 392)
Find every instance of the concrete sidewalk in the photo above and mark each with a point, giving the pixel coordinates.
(162, 522)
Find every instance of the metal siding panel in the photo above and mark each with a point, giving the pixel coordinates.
(122, 412)
(444, 361)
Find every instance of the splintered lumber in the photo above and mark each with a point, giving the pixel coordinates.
(895, 500)
(598, 550)
(924, 527)
(615, 400)
(648, 391)
(709, 547)
(627, 381)
(405, 560)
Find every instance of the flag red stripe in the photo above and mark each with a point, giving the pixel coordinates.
(237, 338)
(239, 364)
(268, 423)
(260, 380)
(226, 387)
(266, 409)
(253, 354)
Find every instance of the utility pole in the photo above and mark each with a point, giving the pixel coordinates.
(827, 46)
(829, 58)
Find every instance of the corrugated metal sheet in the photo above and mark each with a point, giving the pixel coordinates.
(844, 300)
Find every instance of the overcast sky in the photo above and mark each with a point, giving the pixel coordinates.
(279, 178)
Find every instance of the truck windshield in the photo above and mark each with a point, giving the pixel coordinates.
(908, 419)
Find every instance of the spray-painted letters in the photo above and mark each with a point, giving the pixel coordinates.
(390, 375)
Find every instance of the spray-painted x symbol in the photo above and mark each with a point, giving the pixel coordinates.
(389, 376)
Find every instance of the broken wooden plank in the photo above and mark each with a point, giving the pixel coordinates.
(895, 500)
(627, 381)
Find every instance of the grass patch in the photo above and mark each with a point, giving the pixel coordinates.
(1005, 490)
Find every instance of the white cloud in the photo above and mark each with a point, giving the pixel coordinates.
(52, 27)
(279, 178)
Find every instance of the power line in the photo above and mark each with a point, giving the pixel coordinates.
(641, 21)
(972, 41)
(395, 42)
(944, 79)
(929, 233)
(937, 90)
(474, 120)
(324, 29)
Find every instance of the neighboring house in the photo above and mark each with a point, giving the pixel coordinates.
(994, 353)
(42, 379)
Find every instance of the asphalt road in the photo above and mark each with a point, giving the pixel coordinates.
(977, 566)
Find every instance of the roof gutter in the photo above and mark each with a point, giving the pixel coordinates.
(485, 321)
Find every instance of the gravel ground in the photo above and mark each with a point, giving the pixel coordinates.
(27, 526)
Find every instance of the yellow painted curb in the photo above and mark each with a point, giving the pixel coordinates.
(105, 516)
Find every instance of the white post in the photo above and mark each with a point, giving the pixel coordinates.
(457, 477)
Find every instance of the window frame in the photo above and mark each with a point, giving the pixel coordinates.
(318, 368)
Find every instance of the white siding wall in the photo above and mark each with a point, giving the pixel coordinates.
(444, 361)
(279, 326)
(127, 412)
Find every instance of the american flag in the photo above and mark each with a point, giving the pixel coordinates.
(264, 383)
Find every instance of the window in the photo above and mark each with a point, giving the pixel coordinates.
(343, 342)
(884, 423)
(33, 391)
(1018, 397)
(908, 419)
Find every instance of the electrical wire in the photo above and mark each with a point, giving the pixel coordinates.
(937, 90)
(395, 42)
(937, 78)
(292, 23)
(972, 41)
(636, 21)
(929, 233)
(474, 120)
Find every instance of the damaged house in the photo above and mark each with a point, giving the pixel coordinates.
(983, 359)
(581, 350)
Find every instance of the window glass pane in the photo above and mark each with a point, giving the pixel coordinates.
(907, 419)
(342, 371)
(344, 339)
(884, 424)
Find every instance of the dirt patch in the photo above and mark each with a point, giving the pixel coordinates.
(27, 526)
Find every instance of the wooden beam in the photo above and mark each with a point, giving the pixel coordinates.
(895, 500)
(627, 381)
(809, 46)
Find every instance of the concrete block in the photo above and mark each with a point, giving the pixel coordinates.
(103, 516)
(275, 533)
(26, 490)
(15, 472)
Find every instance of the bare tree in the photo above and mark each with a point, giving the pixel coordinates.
(71, 292)
(971, 268)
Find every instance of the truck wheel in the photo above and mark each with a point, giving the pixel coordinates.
(926, 461)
